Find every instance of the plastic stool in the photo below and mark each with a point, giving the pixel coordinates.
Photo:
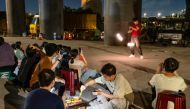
(177, 98)
(71, 80)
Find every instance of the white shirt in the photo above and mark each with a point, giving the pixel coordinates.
(162, 82)
(78, 65)
(119, 87)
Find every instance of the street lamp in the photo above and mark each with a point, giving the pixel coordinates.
(182, 10)
(173, 14)
(145, 15)
(159, 14)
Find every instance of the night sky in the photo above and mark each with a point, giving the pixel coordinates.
(151, 7)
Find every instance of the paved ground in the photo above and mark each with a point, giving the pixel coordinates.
(137, 71)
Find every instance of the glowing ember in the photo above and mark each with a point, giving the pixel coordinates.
(130, 44)
(119, 37)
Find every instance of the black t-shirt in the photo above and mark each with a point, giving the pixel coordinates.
(43, 99)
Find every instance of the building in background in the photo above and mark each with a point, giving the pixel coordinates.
(84, 21)
(94, 5)
(83, 3)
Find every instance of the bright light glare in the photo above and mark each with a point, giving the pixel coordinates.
(173, 14)
(130, 44)
(119, 37)
(145, 14)
(159, 14)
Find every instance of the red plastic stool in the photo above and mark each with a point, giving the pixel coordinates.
(71, 80)
(177, 98)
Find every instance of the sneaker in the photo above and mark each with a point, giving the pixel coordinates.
(141, 57)
(131, 56)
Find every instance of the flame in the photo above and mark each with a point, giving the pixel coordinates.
(119, 37)
(130, 44)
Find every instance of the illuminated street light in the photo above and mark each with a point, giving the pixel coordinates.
(183, 10)
(173, 14)
(159, 14)
(145, 15)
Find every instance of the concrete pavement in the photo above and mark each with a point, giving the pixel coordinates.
(138, 72)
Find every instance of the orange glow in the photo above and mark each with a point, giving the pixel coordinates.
(83, 3)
